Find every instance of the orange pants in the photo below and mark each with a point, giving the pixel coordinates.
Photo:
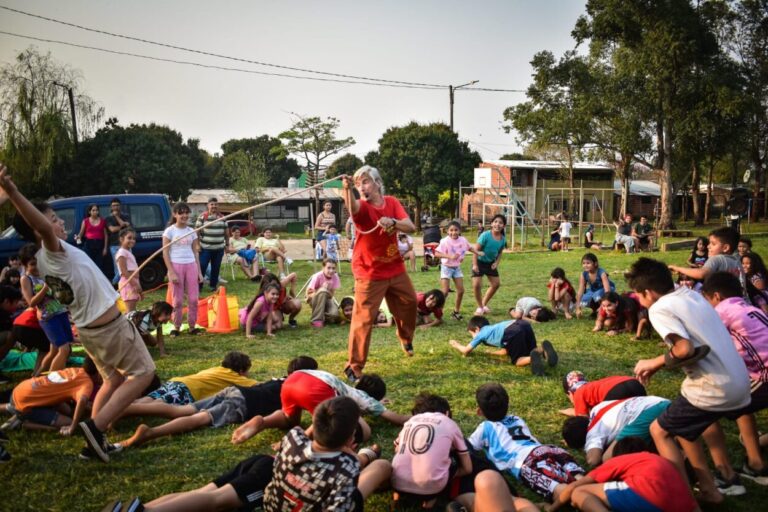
(401, 298)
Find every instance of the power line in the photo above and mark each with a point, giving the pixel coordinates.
(249, 61)
(212, 66)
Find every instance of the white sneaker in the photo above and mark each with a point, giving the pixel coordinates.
(222, 281)
(479, 312)
(288, 261)
(282, 275)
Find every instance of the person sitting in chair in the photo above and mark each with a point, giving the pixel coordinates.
(643, 234)
(272, 249)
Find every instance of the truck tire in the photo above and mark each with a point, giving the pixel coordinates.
(152, 275)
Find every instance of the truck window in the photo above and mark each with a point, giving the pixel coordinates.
(146, 217)
(68, 216)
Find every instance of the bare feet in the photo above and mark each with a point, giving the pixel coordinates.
(568, 316)
(138, 437)
(247, 430)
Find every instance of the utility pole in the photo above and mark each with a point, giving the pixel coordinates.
(71, 95)
(451, 90)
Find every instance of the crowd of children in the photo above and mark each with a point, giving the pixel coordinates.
(636, 446)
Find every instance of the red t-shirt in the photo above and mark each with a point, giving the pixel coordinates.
(376, 255)
(592, 393)
(652, 477)
(421, 306)
(566, 286)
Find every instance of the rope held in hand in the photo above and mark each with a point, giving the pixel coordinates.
(226, 217)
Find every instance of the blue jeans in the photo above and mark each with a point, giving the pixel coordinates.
(212, 257)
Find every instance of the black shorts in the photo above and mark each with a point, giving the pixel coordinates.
(688, 421)
(759, 395)
(518, 340)
(33, 339)
(249, 479)
(626, 389)
(484, 269)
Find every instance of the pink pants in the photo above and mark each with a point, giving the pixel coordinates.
(188, 283)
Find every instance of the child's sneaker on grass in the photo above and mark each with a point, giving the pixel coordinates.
(758, 476)
(317, 324)
(479, 311)
(95, 439)
(486, 310)
(537, 362)
(351, 377)
(113, 506)
(457, 316)
(174, 333)
(293, 323)
(550, 356)
(12, 424)
(87, 454)
(732, 487)
(135, 505)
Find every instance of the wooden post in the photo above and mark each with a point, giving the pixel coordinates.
(581, 206)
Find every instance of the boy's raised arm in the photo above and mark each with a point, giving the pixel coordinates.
(28, 212)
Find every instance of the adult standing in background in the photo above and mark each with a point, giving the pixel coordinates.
(93, 235)
(213, 240)
(116, 221)
(378, 269)
(325, 219)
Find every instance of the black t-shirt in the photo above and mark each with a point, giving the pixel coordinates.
(624, 228)
(262, 399)
(114, 238)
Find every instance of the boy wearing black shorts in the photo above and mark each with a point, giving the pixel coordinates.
(716, 381)
(514, 339)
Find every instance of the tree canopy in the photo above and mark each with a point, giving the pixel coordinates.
(278, 166)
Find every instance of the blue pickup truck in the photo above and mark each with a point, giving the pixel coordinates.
(149, 214)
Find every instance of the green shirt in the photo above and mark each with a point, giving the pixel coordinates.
(490, 246)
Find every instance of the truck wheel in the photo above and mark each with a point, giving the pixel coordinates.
(152, 275)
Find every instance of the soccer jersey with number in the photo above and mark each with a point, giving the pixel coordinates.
(423, 453)
(748, 327)
(308, 480)
(507, 442)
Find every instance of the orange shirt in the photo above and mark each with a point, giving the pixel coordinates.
(376, 255)
(52, 389)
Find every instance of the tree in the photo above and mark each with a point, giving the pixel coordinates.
(314, 140)
(279, 167)
(247, 174)
(37, 139)
(421, 161)
(345, 164)
(134, 159)
(517, 156)
(555, 113)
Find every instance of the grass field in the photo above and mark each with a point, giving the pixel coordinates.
(45, 473)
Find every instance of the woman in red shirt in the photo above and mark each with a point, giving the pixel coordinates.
(93, 235)
(377, 266)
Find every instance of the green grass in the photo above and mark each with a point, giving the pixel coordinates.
(45, 473)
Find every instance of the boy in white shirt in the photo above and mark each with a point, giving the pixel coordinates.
(565, 233)
(716, 381)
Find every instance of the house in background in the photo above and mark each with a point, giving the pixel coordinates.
(644, 195)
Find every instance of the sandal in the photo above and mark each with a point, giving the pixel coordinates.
(671, 362)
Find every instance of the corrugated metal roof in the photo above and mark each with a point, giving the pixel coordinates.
(225, 195)
(639, 188)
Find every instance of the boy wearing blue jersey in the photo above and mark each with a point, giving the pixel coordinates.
(509, 444)
(514, 339)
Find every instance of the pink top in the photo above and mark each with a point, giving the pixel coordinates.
(748, 327)
(448, 245)
(264, 310)
(319, 279)
(422, 453)
(95, 232)
(130, 259)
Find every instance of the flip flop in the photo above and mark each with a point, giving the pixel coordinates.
(671, 362)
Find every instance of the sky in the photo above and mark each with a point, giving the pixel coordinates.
(427, 41)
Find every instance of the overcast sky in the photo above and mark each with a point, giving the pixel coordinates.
(435, 42)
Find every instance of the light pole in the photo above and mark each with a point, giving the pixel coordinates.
(71, 95)
(450, 95)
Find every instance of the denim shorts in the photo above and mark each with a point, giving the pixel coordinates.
(57, 329)
(225, 407)
(40, 415)
(447, 272)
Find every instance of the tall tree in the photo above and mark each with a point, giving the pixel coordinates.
(279, 167)
(314, 139)
(345, 164)
(247, 174)
(421, 161)
(133, 159)
(37, 140)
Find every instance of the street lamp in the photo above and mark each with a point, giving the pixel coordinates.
(450, 94)
(71, 108)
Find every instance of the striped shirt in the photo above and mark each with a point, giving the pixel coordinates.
(748, 327)
(214, 236)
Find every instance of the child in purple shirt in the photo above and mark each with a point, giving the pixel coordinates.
(748, 327)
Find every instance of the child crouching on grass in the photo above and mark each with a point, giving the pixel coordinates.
(112, 342)
(320, 291)
(617, 314)
(257, 316)
(429, 304)
(148, 320)
(317, 472)
(561, 293)
(531, 309)
(509, 444)
(514, 339)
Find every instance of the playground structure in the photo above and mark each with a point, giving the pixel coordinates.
(536, 209)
